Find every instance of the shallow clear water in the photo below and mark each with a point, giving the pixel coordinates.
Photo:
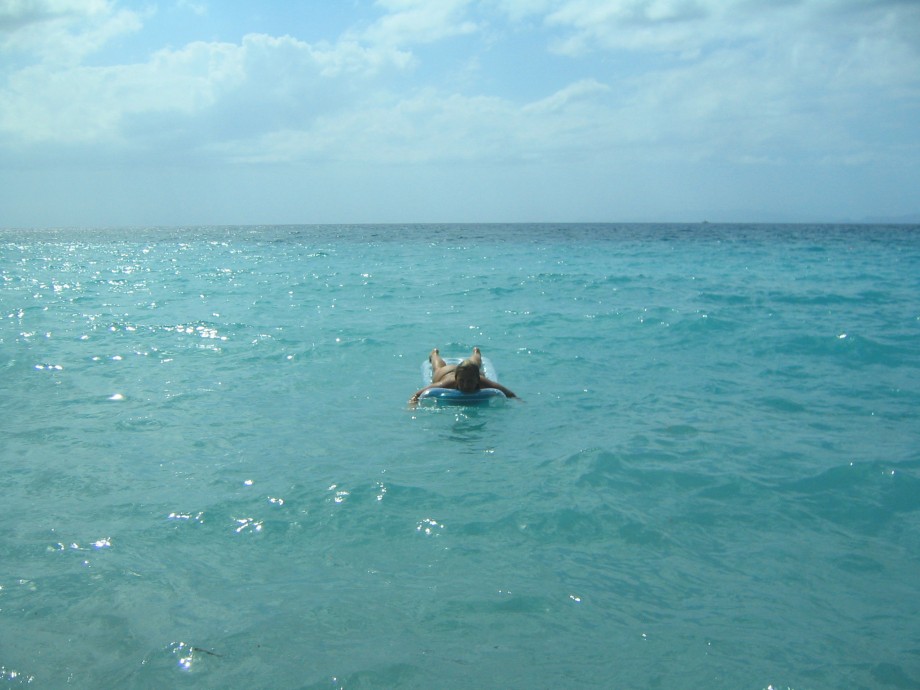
(211, 477)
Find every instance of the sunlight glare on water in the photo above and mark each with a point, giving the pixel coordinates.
(213, 476)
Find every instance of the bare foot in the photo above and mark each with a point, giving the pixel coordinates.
(476, 357)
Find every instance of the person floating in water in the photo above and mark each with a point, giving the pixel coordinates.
(466, 377)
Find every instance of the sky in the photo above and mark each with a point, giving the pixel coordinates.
(198, 112)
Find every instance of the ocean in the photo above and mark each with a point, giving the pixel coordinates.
(212, 478)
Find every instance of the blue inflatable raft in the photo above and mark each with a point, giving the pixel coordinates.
(454, 396)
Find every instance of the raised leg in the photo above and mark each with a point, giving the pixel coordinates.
(439, 368)
(436, 360)
(476, 357)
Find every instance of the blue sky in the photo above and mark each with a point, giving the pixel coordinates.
(198, 112)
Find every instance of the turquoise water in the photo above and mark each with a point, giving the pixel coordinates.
(211, 477)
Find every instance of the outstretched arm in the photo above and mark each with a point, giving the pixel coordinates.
(440, 384)
(414, 399)
(489, 383)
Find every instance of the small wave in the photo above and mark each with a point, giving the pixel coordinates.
(139, 424)
(864, 495)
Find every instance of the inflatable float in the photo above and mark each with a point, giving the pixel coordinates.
(456, 397)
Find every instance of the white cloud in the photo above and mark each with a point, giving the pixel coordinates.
(15, 14)
(676, 26)
(518, 10)
(746, 80)
(426, 127)
(419, 21)
(62, 32)
(86, 104)
(433, 126)
(865, 40)
(640, 79)
(570, 93)
(198, 8)
(271, 80)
